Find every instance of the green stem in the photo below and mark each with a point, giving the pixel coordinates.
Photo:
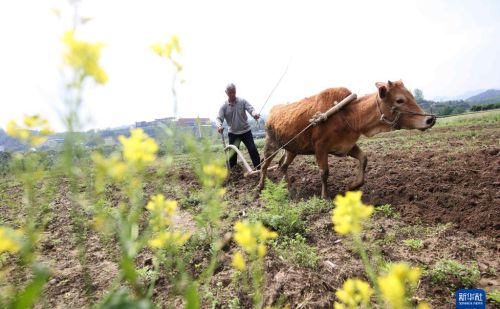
(359, 246)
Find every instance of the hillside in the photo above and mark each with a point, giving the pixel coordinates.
(486, 97)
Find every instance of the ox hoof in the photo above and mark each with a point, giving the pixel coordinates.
(324, 195)
(355, 186)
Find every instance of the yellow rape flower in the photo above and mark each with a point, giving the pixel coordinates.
(166, 49)
(35, 121)
(394, 284)
(139, 148)
(252, 237)
(243, 236)
(238, 261)
(162, 211)
(84, 57)
(10, 239)
(353, 294)
(261, 250)
(393, 290)
(349, 213)
(216, 171)
(221, 192)
(16, 131)
(423, 306)
(166, 239)
(112, 167)
(26, 131)
(37, 140)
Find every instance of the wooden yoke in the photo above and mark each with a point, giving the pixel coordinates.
(321, 117)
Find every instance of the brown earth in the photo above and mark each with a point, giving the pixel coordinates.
(442, 181)
(431, 178)
(448, 178)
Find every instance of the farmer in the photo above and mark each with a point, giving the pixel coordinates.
(234, 111)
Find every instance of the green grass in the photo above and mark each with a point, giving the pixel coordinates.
(283, 215)
(414, 244)
(387, 210)
(494, 297)
(477, 118)
(419, 231)
(454, 274)
(314, 205)
(296, 251)
(279, 213)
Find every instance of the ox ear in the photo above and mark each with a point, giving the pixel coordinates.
(382, 89)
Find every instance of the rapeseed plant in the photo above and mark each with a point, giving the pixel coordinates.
(83, 57)
(238, 261)
(349, 213)
(161, 217)
(355, 293)
(169, 50)
(22, 241)
(139, 149)
(25, 132)
(396, 284)
(11, 240)
(392, 289)
(252, 238)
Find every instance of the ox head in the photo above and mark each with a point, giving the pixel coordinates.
(399, 109)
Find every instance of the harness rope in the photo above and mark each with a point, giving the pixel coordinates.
(317, 118)
(399, 111)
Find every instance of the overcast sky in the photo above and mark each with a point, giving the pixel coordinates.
(445, 48)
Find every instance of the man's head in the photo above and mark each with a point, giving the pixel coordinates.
(231, 92)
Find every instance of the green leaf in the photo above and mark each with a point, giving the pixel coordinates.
(128, 269)
(27, 297)
(192, 297)
(120, 299)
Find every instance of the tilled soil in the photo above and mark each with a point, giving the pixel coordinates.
(446, 178)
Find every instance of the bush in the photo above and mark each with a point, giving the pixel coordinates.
(295, 250)
(494, 297)
(455, 274)
(5, 158)
(314, 205)
(279, 213)
(414, 244)
(387, 211)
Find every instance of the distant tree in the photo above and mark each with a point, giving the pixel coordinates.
(485, 107)
(419, 95)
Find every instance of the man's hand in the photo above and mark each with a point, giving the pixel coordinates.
(255, 115)
(220, 129)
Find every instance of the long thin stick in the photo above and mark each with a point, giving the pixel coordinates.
(275, 86)
(223, 149)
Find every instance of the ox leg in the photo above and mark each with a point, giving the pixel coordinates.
(289, 157)
(269, 149)
(358, 154)
(284, 165)
(322, 160)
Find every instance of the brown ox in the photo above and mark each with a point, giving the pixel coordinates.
(392, 107)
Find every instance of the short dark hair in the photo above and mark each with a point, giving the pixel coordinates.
(230, 86)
